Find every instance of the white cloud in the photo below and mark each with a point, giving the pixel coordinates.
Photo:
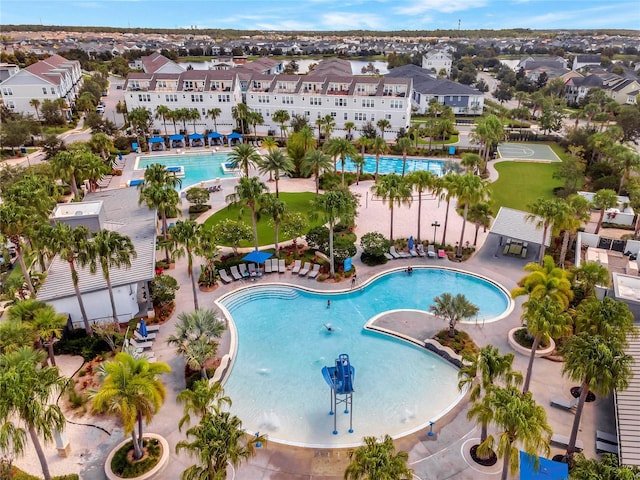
(445, 6)
(352, 21)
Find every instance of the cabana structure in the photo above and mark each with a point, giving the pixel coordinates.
(176, 141)
(196, 140)
(156, 144)
(234, 139)
(215, 139)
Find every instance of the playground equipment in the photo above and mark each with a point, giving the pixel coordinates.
(340, 380)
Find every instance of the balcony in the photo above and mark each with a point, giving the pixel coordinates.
(337, 92)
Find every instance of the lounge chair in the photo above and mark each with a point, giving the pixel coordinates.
(282, 267)
(398, 254)
(431, 251)
(243, 270)
(149, 338)
(150, 328)
(267, 266)
(442, 253)
(224, 276)
(420, 250)
(564, 403)
(296, 266)
(314, 272)
(606, 437)
(393, 253)
(252, 270)
(388, 256)
(563, 441)
(143, 345)
(604, 447)
(235, 273)
(413, 252)
(305, 269)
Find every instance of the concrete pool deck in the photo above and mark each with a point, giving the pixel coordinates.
(444, 456)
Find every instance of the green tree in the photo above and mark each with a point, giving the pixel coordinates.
(543, 213)
(275, 162)
(608, 318)
(590, 274)
(101, 143)
(570, 219)
(25, 406)
(35, 103)
(231, 232)
(249, 192)
(396, 191)
(276, 209)
(244, 156)
(16, 222)
(604, 199)
(453, 309)
(605, 469)
(404, 144)
(328, 124)
(422, 181)
(203, 398)
(444, 188)
(111, 249)
(185, 236)
(281, 117)
(469, 190)
(471, 161)
(198, 196)
(341, 148)
(489, 131)
(315, 162)
(132, 390)
(378, 147)
(378, 460)
(383, 124)
(545, 280)
(255, 119)
(162, 113)
(480, 215)
(213, 114)
(140, 120)
(48, 326)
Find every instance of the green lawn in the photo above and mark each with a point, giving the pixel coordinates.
(521, 183)
(297, 202)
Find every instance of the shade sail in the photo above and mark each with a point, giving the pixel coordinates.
(234, 135)
(176, 137)
(196, 136)
(547, 469)
(156, 140)
(214, 135)
(257, 256)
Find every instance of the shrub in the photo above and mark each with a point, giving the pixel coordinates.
(77, 342)
(163, 289)
(318, 238)
(525, 339)
(461, 343)
(121, 466)
(374, 245)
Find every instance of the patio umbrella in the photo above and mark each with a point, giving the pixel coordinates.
(411, 242)
(143, 328)
(257, 256)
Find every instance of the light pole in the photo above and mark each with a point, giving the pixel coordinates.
(435, 226)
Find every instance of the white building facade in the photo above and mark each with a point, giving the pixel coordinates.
(436, 61)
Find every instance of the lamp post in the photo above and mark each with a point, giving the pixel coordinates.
(435, 226)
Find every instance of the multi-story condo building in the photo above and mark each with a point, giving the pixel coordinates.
(49, 79)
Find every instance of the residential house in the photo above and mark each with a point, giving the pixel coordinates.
(436, 61)
(533, 67)
(582, 61)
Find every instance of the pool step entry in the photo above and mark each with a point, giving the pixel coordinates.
(280, 293)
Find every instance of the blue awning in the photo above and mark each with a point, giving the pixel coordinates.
(234, 135)
(196, 136)
(156, 140)
(214, 135)
(548, 469)
(176, 137)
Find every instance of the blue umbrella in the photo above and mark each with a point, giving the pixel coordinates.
(411, 242)
(257, 256)
(143, 328)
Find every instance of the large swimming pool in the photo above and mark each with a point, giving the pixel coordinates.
(197, 167)
(282, 344)
(394, 165)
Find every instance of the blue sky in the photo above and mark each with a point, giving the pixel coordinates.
(327, 14)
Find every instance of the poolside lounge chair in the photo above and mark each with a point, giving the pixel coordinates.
(604, 447)
(296, 266)
(150, 328)
(413, 252)
(398, 254)
(235, 273)
(388, 256)
(420, 250)
(564, 403)
(431, 251)
(267, 266)
(393, 253)
(149, 338)
(252, 270)
(224, 276)
(243, 270)
(442, 253)
(563, 441)
(314, 272)
(305, 269)
(282, 267)
(142, 345)
(606, 437)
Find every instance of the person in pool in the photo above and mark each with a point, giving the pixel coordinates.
(328, 327)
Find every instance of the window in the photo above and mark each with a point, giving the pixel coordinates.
(346, 116)
(287, 100)
(360, 117)
(225, 98)
(144, 97)
(263, 98)
(307, 114)
(188, 85)
(215, 85)
(395, 104)
(53, 91)
(388, 116)
(161, 84)
(11, 105)
(7, 91)
(315, 101)
(341, 102)
(196, 98)
(44, 90)
(367, 103)
(334, 114)
(171, 98)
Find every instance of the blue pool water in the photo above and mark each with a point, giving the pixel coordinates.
(276, 383)
(197, 168)
(394, 165)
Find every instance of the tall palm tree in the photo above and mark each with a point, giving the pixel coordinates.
(132, 390)
(333, 207)
(600, 364)
(328, 125)
(277, 210)
(111, 249)
(35, 103)
(255, 119)
(340, 148)
(453, 309)
(305, 135)
(216, 441)
(73, 246)
(140, 120)
(488, 131)
(570, 219)
(275, 162)
(545, 280)
(394, 189)
(349, 127)
(480, 215)
(239, 114)
(101, 143)
(213, 114)
(519, 420)
(383, 124)
(48, 325)
(422, 181)
(25, 405)
(604, 199)
(161, 113)
(543, 213)
(244, 156)
(590, 274)
(184, 236)
(65, 165)
(315, 162)
(281, 117)
(378, 460)
(121, 108)
(545, 318)
(249, 191)
(608, 318)
(270, 144)
(404, 144)
(15, 225)
(469, 190)
(193, 114)
(378, 147)
(471, 161)
(203, 398)
(444, 189)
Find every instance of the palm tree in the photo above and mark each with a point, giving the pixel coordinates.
(488, 131)
(121, 108)
(627, 161)
(378, 460)
(239, 114)
(270, 144)
(570, 219)
(132, 390)
(545, 280)
(378, 147)
(519, 420)
(249, 191)
(444, 189)
(305, 136)
(543, 213)
(333, 207)
(140, 120)
(315, 162)
(600, 364)
(193, 115)
(111, 249)
(244, 156)
(255, 119)
(281, 117)
(319, 122)
(349, 126)
(185, 235)
(422, 181)
(15, 224)
(101, 143)
(35, 103)
(49, 325)
(73, 246)
(277, 210)
(608, 318)
(217, 440)
(383, 124)
(340, 147)
(65, 165)
(590, 274)
(404, 144)
(453, 309)
(203, 398)
(480, 215)
(25, 405)
(328, 124)
(275, 162)
(161, 113)
(604, 199)
(394, 189)
(545, 317)
(469, 189)
(213, 114)
(471, 161)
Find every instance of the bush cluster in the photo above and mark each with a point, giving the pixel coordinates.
(121, 466)
(77, 342)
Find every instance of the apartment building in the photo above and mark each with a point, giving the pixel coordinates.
(49, 79)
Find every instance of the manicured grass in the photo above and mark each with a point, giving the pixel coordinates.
(522, 183)
(297, 202)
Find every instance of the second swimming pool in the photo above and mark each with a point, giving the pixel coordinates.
(394, 165)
